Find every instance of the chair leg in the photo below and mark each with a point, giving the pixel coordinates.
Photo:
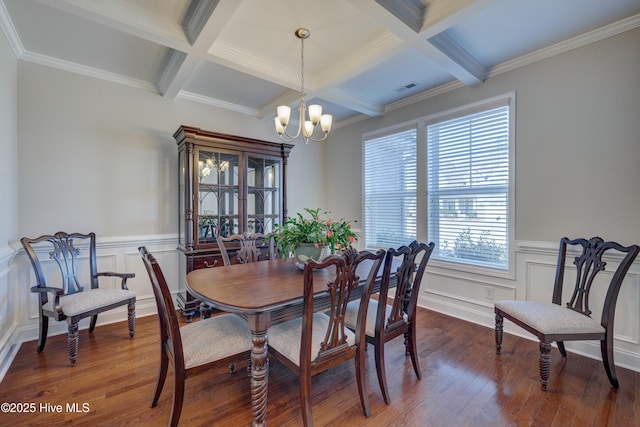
(131, 319)
(380, 370)
(162, 376)
(72, 343)
(178, 396)
(44, 328)
(563, 351)
(92, 324)
(361, 378)
(305, 399)
(412, 347)
(545, 364)
(499, 330)
(607, 359)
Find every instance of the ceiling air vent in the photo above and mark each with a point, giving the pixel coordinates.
(408, 86)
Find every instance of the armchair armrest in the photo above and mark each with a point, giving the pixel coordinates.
(123, 276)
(43, 290)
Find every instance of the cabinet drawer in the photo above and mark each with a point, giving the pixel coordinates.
(207, 261)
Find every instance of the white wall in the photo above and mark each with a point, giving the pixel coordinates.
(98, 156)
(577, 174)
(8, 195)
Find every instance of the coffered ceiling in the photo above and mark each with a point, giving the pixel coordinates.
(364, 57)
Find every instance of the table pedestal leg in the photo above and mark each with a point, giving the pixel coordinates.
(259, 324)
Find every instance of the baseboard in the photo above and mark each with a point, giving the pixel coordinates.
(9, 346)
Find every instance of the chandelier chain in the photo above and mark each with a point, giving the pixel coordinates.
(302, 68)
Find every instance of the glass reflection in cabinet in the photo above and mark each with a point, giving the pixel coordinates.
(218, 200)
(263, 195)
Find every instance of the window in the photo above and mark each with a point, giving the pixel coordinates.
(468, 185)
(390, 192)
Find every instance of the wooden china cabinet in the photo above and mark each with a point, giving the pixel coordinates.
(228, 185)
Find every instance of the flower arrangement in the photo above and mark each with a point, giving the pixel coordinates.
(336, 235)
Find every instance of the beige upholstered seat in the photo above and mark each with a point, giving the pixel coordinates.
(552, 321)
(65, 294)
(195, 347)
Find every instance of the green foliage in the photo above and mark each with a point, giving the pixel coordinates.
(483, 249)
(336, 235)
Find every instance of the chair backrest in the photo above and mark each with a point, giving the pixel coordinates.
(411, 262)
(169, 326)
(588, 263)
(341, 280)
(61, 248)
(249, 247)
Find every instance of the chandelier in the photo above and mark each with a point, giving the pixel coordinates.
(306, 127)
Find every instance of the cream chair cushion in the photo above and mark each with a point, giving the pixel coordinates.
(88, 300)
(351, 317)
(285, 337)
(549, 318)
(214, 338)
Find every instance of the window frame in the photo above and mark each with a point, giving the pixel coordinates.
(420, 124)
(404, 127)
(509, 100)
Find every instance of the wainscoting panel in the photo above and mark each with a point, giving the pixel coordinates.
(8, 324)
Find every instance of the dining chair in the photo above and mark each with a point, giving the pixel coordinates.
(318, 341)
(248, 248)
(195, 347)
(551, 321)
(68, 288)
(403, 267)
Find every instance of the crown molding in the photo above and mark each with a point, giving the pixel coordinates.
(567, 45)
(87, 71)
(190, 96)
(10, 31)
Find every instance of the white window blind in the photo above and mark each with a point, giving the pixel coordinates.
(468, 187)
(390, 178)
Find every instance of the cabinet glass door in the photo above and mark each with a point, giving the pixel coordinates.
(263, 194)
(218, 195)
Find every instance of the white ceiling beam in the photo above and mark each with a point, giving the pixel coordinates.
(352, 102)
(205, 21)
(446, 53)
(431, 41)
(410, 12)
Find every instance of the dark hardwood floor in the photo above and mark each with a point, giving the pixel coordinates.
(464, 384)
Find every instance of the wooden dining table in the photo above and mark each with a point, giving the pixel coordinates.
(265, 292)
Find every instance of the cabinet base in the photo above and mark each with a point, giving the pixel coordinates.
(188, 306)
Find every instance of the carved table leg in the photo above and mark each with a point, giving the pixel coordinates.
(259, 324)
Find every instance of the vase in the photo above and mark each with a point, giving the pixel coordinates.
(306, 251)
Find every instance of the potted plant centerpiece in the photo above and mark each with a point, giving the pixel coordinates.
(312, 237)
